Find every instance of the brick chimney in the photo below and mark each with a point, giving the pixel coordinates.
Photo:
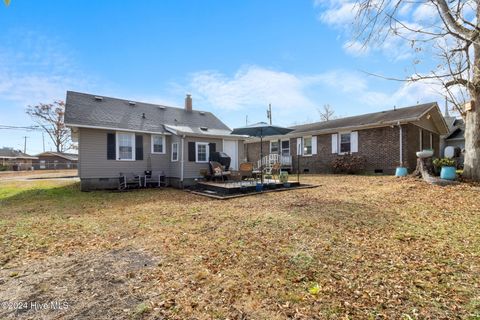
(188, 102)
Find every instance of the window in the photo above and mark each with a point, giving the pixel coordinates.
(307, 146)
(274, 146)
(158, 144)
(285, 147)
(125, 146)
(175, 151)
(345, 144)
(431, 140)
(201, 152)
(42, 164)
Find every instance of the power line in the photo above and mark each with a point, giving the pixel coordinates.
(29, 128)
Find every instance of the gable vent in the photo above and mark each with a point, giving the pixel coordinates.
(98, 98)
(132, 103)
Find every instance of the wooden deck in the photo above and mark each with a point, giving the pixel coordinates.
(241, 187)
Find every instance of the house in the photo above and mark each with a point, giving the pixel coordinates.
(455, 137)
(384, 139)
(51, 160)
(11, 159)
(117, 137)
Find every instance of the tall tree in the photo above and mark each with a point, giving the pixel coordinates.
(51, 118)
(451, 36)
(326, 113)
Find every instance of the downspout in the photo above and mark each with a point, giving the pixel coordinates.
(182, 161)
(401, 144)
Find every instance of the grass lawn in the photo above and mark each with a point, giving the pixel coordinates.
(356, 247)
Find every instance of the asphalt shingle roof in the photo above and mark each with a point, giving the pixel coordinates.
(85, 109)
(14, 154)
(389, 116)
(458, 131)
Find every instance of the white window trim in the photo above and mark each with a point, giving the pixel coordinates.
(278, 146)
(132, 135)
(339, 140)
(171, 158)
(163, 143)
(303, 146)
(196, 151)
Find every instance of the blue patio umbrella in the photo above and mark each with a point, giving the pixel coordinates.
(260, 130)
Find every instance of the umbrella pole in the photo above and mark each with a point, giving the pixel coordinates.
(261, 159)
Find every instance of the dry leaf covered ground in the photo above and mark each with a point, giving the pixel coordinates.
(358, 247)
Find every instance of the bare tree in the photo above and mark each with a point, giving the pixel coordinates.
(51, 118)
(326, 113)
(451, 37)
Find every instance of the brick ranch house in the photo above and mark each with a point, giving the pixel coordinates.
(383, 139)
(51, 160)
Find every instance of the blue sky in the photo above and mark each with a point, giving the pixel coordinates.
(235, 57)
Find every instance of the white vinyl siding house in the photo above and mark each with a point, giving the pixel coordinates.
(118, 137)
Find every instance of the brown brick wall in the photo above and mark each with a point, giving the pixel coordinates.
(379, 146)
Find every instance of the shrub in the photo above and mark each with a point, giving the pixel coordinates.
(443, 162)
(349, 164)
(3, 168)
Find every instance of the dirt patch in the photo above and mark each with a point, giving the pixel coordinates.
(97, 285)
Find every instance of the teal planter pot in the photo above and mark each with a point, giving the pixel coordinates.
(401, 172)
(448, 173)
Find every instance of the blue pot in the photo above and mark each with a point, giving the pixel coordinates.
(448, 173)
(259, 187)
(401, 172)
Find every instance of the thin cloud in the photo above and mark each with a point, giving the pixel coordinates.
(37, 70)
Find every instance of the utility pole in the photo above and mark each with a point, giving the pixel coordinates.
(246, 120)
(269, 113)
(43, 141)
(25, 144)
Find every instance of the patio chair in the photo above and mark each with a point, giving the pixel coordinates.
(218, 171)
(129, 180)
(246, 170)
(154, 179)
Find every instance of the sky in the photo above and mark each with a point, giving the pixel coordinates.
(234, 57)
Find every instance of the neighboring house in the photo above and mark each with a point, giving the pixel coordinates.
(384, 139)
(117, 137)
(11, 159)
(51, 160)
(456, 138)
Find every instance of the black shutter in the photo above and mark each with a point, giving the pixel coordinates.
(212, 147)
(111, 148)
(139, 147)
(191, 151)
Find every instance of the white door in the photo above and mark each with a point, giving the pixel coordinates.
(230, 147)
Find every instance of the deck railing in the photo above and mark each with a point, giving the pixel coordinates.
(272, 158)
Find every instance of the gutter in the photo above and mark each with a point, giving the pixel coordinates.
(182, 160)
(401, 144)
(72, 125)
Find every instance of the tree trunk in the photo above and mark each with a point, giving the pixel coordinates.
(472, 125)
